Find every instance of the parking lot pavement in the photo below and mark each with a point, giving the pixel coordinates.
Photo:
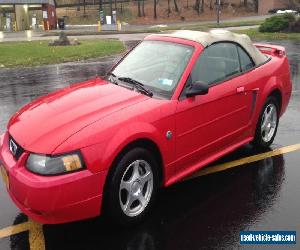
(258, 190)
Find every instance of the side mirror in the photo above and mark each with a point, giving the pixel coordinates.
(197, 88)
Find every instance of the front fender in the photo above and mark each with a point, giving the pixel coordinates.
(108, 144)
(131, 133)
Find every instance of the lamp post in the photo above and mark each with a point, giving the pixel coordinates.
(111, 7)
(218, 3)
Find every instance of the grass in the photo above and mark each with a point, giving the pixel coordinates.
(256, 35)
(27, 54)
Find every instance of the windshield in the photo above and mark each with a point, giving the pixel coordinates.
(158, 65)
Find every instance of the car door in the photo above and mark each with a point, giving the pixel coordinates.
(207, 124)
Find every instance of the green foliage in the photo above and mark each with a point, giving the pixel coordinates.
(290, 17)
(26, 54)
(267, 36)
(277, 23)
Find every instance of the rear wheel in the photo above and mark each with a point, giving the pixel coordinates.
(267, 125)
(132, 187)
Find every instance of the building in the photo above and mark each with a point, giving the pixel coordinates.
(265, 5)
(27, 14)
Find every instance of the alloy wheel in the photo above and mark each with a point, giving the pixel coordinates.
(269, 122)
(136, 188)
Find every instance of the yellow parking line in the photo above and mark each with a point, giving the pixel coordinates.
(5, 232)
(243, 161)
(36, 236)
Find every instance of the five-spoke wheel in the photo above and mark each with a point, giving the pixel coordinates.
(132, 186)
(136, 188)
(267, 124)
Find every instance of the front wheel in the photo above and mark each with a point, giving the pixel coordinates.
(267, 125)
(132, 187)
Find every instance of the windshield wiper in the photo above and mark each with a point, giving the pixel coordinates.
(139, 86)
(112, 77)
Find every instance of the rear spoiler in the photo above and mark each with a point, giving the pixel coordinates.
(270, 49)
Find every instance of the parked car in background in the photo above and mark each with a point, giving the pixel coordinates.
(287, 12)
(282, 11)
(172, 105)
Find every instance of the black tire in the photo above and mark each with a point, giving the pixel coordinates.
(258, 141)
(112, 198)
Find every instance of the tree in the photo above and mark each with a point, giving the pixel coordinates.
(255, 3)
(143, 7)
(293, 4)
(169, 9)
(199, 6)
(202, 6)
(154, 10)
(176, 6)
(84, 12)
(245, 3)
(139, 8)
(211, 5)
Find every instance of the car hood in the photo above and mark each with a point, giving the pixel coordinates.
(44, 124)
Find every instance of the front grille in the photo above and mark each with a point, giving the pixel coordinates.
(15, 148)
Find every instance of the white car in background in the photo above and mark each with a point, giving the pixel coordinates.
(286, 12)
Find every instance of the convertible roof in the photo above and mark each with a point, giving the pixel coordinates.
(213, 36)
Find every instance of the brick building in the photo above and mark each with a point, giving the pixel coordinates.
(263, 5)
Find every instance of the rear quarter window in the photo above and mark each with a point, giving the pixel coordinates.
(246, 61)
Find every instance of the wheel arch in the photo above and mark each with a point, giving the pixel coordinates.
(278, 95)
(143, 143)
(140, 142)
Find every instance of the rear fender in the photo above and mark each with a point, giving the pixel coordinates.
(274, 83)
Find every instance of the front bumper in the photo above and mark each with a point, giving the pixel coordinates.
(52, 199)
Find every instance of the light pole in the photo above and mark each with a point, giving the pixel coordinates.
(111, 7)
(100, 5)
(218, 11)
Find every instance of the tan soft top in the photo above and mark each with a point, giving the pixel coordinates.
(208, 38)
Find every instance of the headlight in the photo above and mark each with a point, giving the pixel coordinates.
(54, 165)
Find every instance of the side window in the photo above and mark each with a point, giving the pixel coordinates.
(216, 63)
(246, 61)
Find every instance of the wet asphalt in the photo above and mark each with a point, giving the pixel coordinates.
(204, 213)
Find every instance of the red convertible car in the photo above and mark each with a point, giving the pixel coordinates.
(172, 105)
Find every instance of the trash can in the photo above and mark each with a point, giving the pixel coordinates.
(61, 23)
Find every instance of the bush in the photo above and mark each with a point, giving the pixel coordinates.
(277, 23)
(290, 17)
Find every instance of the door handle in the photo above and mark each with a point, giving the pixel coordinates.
(240, 89)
